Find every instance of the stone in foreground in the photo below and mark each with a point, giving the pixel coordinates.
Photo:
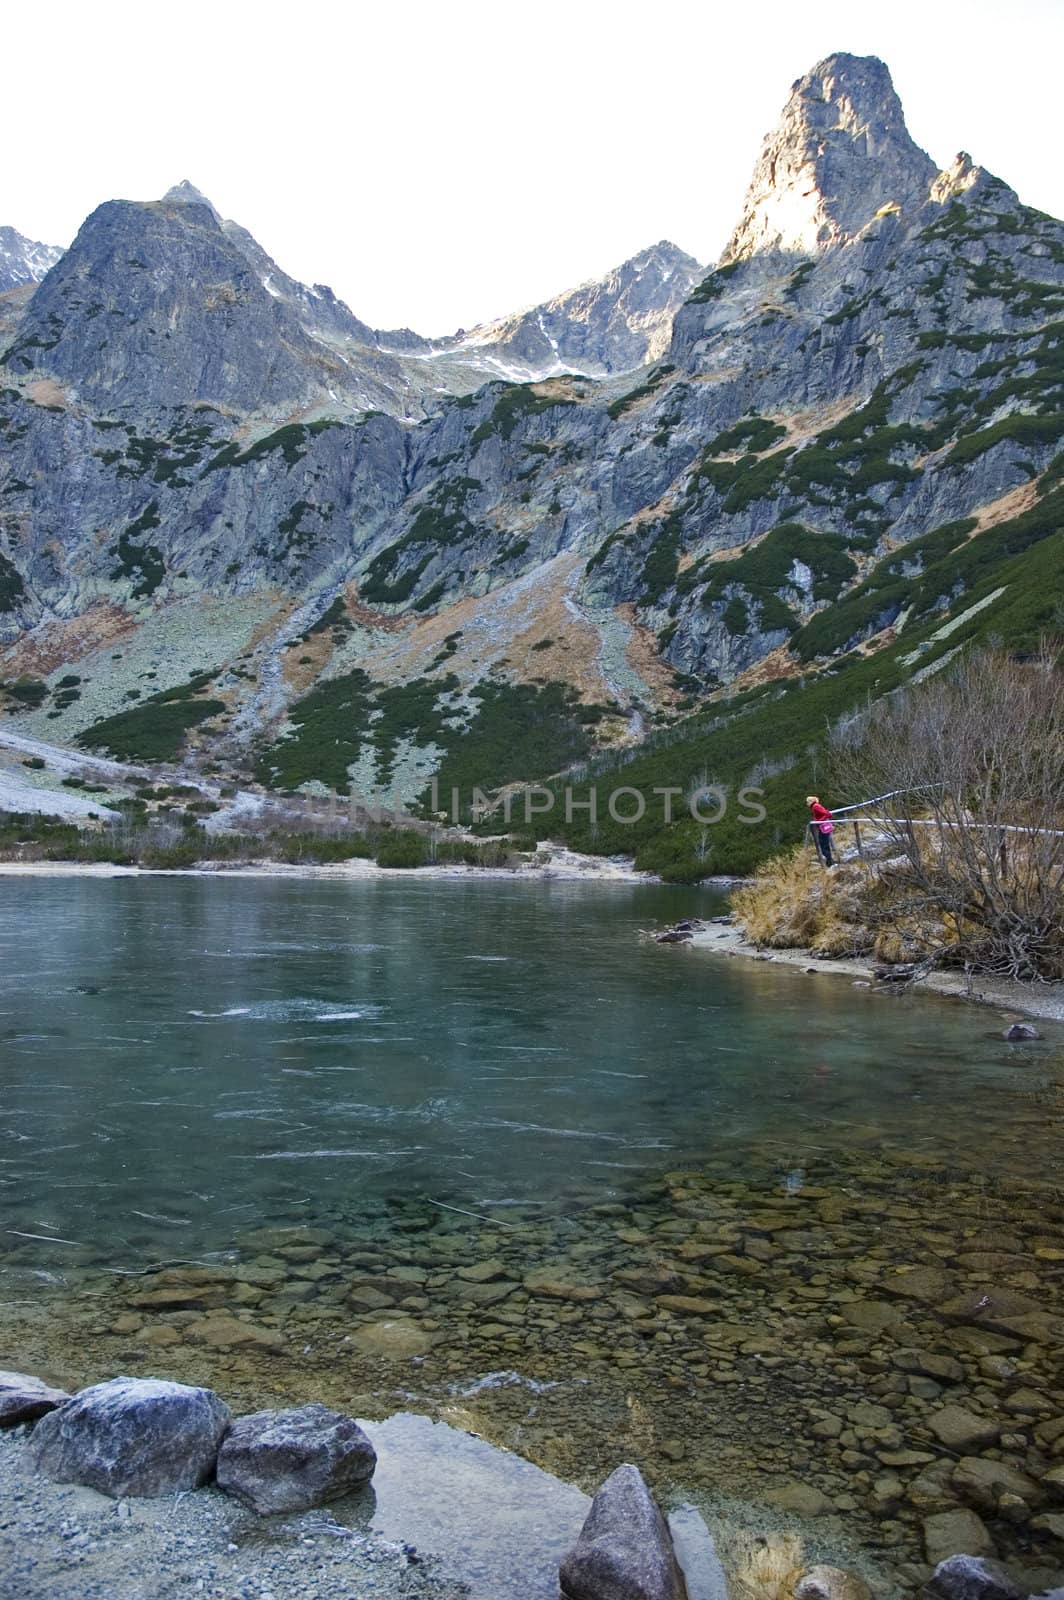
(24, 1399)
(293, 1460)
(132, 1436)
(828, 1583)
(969, 1578)
(624, 1551)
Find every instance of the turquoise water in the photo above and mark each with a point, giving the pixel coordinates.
(473, 1149)
(182, 1055)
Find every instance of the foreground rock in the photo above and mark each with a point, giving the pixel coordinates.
(624, 1551)
(294, 1460)
(827, 1583)
(24, 1399)
(132, 1436)
(969, 1578)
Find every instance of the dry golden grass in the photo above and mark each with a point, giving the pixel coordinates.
(761, 1566)
(794, 902)
(860, 908)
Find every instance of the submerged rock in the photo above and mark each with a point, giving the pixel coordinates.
(24, 1399)
(293, 1460)
(400, 1339)
(982, 1483)
(800, 1500)
(952, 1533)
(624, 1551)
(959, 1429)
(971, 1578)
(132, 1436)
(1020, 1030)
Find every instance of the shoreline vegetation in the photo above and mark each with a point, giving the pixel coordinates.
(1009, 995)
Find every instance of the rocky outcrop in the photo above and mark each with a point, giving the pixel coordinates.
(624, 1551)
(839, 154)
(132, 1436)
(292, 1460)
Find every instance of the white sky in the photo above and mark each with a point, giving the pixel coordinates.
(439, 164)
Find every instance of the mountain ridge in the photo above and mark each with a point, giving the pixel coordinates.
(846, 465)
(609, 324)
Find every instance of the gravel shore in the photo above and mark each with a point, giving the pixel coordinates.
(1025, 999)
(59, 1542)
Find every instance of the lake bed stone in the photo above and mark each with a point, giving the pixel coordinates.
(132, 1436)
(953, 1533)
(961, 1430)
(982, 1483)
(399, 1338)
(799, 1500)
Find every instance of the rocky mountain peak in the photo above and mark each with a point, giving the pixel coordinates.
(956, 179)
(186, 194)
(839, 153)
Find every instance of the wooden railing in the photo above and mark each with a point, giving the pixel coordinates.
(999, 829)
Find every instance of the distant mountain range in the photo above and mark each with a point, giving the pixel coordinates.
(673, 521)
(321, 353)
(23, 260)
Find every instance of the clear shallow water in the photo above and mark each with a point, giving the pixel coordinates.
(470, 1148)
(181, 1055)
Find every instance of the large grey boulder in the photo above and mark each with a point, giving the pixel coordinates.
(971, 1578)
(24, 1399)
(292, 1460)
(624, 1551)
(132, 1436)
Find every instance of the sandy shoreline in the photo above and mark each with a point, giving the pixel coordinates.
(1032, 1000)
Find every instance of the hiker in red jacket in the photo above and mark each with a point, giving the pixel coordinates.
(823, 828)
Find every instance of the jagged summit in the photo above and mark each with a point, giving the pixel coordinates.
(185, 193)
(839, 153)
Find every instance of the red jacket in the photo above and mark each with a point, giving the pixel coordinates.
(820, 813)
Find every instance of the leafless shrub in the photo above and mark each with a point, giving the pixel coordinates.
(977, 875)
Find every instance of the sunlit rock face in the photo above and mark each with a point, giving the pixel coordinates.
(839, 153)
